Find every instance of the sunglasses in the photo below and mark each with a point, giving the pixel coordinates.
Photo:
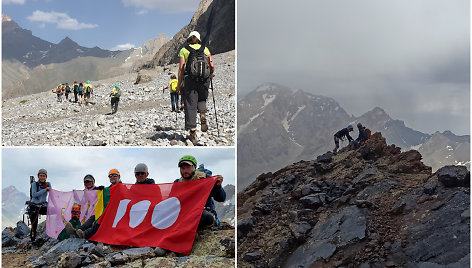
(75, 213)
(140, 173)
(112, 175)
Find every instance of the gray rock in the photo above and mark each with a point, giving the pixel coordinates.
(454, 176)
(252, 256)
(136, 253)
(21, 229)
(325, 158)
(244, 226)
(69, 259)
(314, 200)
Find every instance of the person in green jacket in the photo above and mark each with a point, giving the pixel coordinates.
(74, 222)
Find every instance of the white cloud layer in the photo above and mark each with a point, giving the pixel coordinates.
(62, 20)
(123, 47)
(19, 2)
(168, 6)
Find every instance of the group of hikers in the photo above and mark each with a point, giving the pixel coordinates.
(188, 171)
(83, 93)
(364, 135)
(192, 83)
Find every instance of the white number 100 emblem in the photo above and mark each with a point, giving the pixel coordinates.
(164, 214)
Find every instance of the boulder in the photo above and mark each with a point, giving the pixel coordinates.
(454, 176)
(21, 229)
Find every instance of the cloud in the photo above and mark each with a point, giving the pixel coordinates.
(363, 54)
(142, 12)
(168, 6)
(19, 2)
(62, 20)
(123, 47)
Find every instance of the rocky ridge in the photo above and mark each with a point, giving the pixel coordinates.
(214, 20)
(144, 117)
(212, 247)
(371, 207)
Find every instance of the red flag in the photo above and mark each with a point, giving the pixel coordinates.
(154, 215)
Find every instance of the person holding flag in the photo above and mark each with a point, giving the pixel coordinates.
(90, 227)
(38, 204)
(188, 172)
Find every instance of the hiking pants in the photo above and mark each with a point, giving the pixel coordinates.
(207, 219)
(34, 211)
(194, 96)
(114, 104)
(75, 96)
(89, 227)
(174, 100)
(336, 141)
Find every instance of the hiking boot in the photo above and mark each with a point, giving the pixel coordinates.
(80, 233)
(203, 122)
(193, 137)
(70, 230)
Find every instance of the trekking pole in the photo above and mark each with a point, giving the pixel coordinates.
(214, 105)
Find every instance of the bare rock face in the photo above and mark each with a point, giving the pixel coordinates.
(368, 207)
(143, 77)
(214, 20)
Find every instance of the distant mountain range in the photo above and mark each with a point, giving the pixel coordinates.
(13, 204)
(31, 65)
(21, 45)
(278, 126)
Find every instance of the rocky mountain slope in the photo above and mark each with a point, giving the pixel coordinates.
(214, 20)
(278, 126)
(144, 116)
(214, 247)
(371, 207)
(13, 204)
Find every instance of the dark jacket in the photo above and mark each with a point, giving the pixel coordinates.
(147, 181)
(343, 132)
(362, 135)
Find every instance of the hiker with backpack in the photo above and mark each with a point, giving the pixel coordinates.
(196, 67)
(340, 136)
(88, 90)
(81, 90)
(90, 226)
(67, 91)
(76, 91)
(38, 204)
(174, 96)
(115, 98)
(59, 93)
(188, 171)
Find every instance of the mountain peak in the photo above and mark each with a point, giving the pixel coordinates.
(68, 41)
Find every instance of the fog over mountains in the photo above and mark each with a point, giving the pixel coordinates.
(278, 126)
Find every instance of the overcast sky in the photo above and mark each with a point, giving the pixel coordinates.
(67, 166)
(108, 24)
(410, 58)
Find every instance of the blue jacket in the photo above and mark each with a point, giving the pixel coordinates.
(39, 193)
(362, 135)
